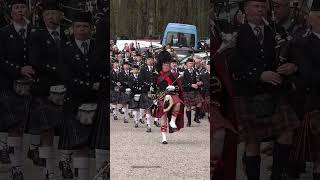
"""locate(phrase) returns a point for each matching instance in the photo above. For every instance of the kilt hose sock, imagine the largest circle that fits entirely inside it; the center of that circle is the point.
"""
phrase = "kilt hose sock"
(252, 167)
(16, 152)
(149, 119)
(163, 130)
(48, 153)
(101, 157)
(189, 117)
(81, 166)
(35, 141)
(280, 160)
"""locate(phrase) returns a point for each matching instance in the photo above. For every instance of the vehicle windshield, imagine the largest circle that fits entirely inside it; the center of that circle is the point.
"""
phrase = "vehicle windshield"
(180, 39)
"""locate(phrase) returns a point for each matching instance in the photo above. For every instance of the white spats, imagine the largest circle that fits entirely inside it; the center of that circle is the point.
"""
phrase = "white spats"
(164, 136)
(149, 119)
(82, 164)
(16, 156)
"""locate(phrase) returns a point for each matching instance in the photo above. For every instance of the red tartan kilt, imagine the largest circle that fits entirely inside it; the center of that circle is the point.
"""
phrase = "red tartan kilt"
(255, 129)
(192, 98)
(159, 112)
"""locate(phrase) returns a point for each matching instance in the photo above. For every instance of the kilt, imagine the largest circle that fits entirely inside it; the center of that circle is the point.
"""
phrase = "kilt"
(43, 115)
(115, 97)
(14, 110)
(124, 98)
(159, 111)
(192, 98)
(75, 135)
(145, 102)
(256, 129)
(206, 104)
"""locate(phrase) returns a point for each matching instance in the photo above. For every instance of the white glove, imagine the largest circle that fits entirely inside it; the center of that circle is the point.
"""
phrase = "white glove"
(170, 88)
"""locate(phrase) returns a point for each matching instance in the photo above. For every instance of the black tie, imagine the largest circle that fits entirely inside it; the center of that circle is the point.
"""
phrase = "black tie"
(56, 37)
(22, 33)
(84, 45)
(259, 34)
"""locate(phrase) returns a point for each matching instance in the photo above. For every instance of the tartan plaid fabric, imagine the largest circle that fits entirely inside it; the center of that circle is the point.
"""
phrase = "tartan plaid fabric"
(192, 98)
(256, 129)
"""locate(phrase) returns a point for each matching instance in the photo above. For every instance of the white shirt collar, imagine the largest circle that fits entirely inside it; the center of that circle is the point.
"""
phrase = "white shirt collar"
(253, 26)
(79, 43)
(51, 30)
(17, 27)
(317, 34)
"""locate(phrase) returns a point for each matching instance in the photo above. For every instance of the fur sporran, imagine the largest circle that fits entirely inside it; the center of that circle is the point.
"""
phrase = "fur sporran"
(86, 113)
(57, 94)
(22, 86)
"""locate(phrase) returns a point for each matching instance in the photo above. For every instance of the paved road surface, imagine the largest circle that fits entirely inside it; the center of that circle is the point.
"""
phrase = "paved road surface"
(137, 155)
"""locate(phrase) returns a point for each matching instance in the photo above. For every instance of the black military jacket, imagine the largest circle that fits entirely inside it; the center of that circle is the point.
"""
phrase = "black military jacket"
(114, 77)
(13, 55)
(188, 80)
(135, 84)
(251, 59)
(80, 72)
(147, 78)
(45, 57)
(124, 80)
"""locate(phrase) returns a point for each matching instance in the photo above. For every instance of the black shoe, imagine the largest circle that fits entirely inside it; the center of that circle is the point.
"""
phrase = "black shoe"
(130, 115)
(33, 154)
(188, 125)
(196, 120)
(136, 125)
(141, 121)
(16, 174)
(121, 112)
(164, 142)
(66, 170)
(115, 118)
(4, 156)
(148, 129)
(156, 123)
(125, 121)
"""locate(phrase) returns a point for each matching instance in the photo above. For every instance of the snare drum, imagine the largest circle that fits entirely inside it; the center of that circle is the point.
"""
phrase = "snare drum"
(86, 113)
(137, 97)
(22, 86)
(57, 94)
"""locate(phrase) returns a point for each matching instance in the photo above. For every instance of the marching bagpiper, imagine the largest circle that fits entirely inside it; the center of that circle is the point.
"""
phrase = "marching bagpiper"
(191, 91)
(115, 88)
(135, 96)
(16, 77)
(124, 98)
(48, 90)
(262, 108)
(306, 52)
(147, 78)
(85, 110)
(170, 99)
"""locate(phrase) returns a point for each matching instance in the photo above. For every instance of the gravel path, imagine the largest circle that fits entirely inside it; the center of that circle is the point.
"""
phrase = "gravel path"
(137, 155)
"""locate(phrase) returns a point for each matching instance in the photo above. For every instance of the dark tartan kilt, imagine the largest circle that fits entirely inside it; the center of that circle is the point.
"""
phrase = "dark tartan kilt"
(257, 129)
(14, 110)
(124, 98)
(192, 98)
(206, 104)
(75, 135)
(159, 111)
(43, 115)
(115, 97)
(145, 102)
